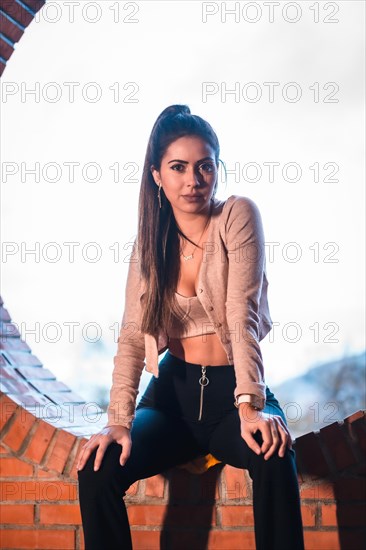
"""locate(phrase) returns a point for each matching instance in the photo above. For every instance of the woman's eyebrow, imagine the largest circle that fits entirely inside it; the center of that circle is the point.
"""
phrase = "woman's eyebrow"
(206, 158)
(186, 162)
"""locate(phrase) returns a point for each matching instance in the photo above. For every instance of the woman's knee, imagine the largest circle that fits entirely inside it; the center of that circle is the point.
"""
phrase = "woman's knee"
(107, 476)
(276, 467)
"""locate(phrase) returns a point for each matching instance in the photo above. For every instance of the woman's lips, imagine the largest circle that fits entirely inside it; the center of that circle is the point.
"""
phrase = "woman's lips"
(193, 198)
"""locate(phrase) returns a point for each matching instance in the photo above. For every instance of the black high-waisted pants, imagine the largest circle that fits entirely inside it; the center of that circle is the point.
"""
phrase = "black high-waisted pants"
(166, 432)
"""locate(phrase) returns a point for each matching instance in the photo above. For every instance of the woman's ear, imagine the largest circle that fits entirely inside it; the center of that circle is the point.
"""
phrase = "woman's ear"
(155, 174)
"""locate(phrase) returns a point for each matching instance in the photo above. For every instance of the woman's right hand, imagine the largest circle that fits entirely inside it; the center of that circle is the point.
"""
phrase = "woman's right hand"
(101, 440)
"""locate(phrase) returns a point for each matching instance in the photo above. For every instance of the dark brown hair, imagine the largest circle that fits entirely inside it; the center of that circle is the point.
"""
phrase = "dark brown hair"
(158, 234)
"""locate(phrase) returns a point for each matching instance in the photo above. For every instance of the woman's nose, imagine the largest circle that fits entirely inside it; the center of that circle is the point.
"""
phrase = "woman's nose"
(194, 177)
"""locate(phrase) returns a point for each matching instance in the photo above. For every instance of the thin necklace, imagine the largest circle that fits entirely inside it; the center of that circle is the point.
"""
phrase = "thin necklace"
(191, 255)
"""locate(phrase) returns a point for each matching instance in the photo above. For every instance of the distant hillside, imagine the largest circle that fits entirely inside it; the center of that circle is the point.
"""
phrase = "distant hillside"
(324, 394)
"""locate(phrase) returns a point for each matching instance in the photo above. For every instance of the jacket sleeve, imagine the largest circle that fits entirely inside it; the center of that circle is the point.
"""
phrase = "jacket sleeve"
(246, 265)
(129, 360)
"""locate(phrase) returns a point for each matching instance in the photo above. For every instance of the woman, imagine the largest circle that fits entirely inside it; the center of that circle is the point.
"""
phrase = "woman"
(197, 289)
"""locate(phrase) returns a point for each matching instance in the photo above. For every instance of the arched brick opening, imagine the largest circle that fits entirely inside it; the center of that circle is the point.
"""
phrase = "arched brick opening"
(44, 423)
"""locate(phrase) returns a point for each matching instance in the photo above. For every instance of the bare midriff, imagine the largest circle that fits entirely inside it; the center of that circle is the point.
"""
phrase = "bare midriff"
(205, 349)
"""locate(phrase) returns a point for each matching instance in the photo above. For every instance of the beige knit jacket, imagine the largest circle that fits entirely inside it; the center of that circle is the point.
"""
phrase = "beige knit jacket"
(232, 288)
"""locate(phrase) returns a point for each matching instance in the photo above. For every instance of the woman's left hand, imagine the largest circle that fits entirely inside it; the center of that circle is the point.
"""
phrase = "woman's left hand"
(272, 427)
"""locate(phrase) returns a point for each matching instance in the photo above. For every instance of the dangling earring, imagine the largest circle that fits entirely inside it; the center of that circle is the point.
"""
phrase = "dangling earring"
(159, 197)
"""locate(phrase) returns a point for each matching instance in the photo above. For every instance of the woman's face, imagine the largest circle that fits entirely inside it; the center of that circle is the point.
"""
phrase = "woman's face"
(188, 174)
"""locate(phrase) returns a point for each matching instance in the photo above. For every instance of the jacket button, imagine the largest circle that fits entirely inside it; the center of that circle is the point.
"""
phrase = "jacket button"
(200, 289)
(210, 308)
(217, 325)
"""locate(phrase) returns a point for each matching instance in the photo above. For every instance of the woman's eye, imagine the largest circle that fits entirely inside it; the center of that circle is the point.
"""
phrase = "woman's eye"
(178, 167)
(207, 167)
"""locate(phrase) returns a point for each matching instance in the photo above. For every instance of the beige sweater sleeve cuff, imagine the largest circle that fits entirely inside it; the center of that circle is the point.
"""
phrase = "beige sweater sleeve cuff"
(255, 401)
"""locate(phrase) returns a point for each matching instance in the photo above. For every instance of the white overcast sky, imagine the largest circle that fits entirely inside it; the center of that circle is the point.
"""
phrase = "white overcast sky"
(140, 57)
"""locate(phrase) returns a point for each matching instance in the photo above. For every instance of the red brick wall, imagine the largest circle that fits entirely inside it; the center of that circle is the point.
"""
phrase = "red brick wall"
(12, 11)
(42, 427)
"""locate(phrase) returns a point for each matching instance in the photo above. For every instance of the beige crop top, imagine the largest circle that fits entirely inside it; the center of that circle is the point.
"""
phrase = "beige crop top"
(198, 322)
